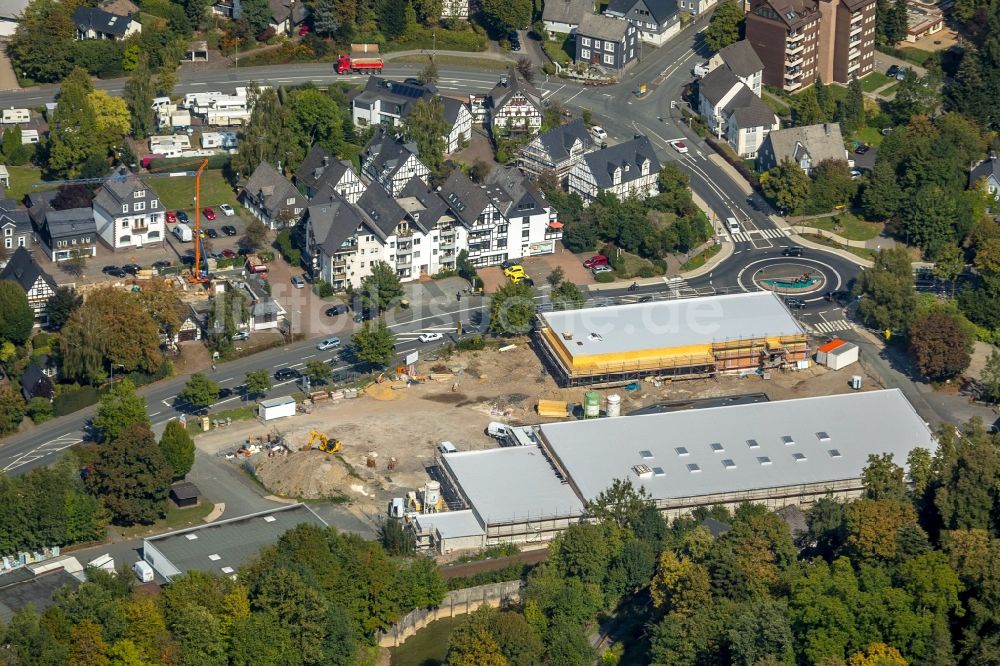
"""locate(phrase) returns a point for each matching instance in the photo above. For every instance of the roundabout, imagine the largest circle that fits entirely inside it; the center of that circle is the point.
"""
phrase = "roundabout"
(799, 277)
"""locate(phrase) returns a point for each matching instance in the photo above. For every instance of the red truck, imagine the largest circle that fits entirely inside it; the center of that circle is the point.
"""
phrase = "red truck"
(364, 58)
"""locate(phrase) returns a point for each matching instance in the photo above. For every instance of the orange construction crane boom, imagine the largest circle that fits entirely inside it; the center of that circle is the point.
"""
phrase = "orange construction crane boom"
(196, 276)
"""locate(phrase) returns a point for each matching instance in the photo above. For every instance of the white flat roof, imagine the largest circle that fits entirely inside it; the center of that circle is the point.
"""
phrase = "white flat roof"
(513, 483)
(451, 524)
(673, 323)
(737, 448)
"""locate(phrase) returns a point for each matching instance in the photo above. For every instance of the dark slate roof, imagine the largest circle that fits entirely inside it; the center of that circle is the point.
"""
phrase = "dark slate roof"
(567, 11)
(452, 107)
(465, 199)
(434, 206)
(22, 587)
(714, 85)
(11, 213)
(513, 193)
(661, 10)
(793, 13)
(559, 140)
(985, 169)
(185, 490)
(319, 168)
(280, 10)
(795, 518)
(31, 377)
(511, 83)
(385, 153)
(741, 58)
(332, 222)
(750, 110)
(24, 270)
(71, 222)
(602, 27)
(119, 188)
(715, 527)
(603, 162)
(380, 210)
(86, 18)
(275, 188)
(396, 92)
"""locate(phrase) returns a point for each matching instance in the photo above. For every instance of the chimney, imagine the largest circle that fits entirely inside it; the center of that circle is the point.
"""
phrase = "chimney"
(503, 80)
(326, 160)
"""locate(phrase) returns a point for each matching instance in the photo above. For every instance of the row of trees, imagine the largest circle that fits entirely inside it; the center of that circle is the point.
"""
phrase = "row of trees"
(789, 188)
(317, 597)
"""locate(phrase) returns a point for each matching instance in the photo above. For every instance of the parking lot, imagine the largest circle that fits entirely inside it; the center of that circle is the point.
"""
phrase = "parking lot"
(539, 268)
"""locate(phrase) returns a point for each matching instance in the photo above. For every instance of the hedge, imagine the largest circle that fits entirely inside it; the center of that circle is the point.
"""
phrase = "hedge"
(167, 163)
(727, 154)
(74, 400)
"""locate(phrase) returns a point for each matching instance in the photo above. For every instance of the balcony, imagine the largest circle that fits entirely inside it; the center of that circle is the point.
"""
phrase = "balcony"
(793, 61)
(407, 245)
(857, 18)
(854, 67)
(853, 53)
(404, 261)
(856, 29)
(792, 48)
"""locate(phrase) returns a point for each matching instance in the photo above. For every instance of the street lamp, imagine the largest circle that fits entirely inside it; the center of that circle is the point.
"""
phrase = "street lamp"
(120, 365)
(434, 42)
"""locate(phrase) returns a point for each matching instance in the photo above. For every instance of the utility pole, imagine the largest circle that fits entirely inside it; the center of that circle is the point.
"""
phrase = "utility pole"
(434, 42)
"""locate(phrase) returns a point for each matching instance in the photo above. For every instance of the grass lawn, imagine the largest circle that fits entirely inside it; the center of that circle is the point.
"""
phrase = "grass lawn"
(632, 264)
(459, 61)
(559, 49)
(178, 193)
(698, 260)
(916, 56)
(174, 520)
(874, 81)
(862, 252)
(888, 91)
(850, 226)
(21, 180)
(869, 136)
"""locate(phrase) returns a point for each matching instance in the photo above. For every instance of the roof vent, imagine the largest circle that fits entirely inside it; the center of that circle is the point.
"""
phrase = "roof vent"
(595, 337)
(215, 557)
(787, 439)
(834, 453)
(269, 519)
(681, 451)
(763, 460)
(693, 468)
(717, 447)
(752, 443)
(658, 471)
(190, 537)
(227, 570)
(799, 457)
(728, 463)
(646, 454)
(822, 436)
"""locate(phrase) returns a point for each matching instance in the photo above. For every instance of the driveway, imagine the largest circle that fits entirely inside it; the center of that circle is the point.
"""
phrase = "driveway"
(8, 80)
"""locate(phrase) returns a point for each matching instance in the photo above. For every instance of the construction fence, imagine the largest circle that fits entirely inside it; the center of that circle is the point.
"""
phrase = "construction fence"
(456, 602)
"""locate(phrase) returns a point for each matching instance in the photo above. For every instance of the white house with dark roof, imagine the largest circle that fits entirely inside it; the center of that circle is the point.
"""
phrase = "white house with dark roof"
(988, 172)
(320, 170)
(629, 169)
(271, 198)
(15, 226)
(127, 212)
(94, 23)
(557, 150)
(656, 20)
(391, 162)
(37, 284)
(455, 9)
(387, 102)
(607, 42)
(562, 17)
(806, 146)
(531, 219)
(286, 15)
(514, 106)
(62, 234)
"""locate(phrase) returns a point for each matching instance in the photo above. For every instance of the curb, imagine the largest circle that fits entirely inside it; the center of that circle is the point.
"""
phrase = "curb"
(725, 253)
(215, 513)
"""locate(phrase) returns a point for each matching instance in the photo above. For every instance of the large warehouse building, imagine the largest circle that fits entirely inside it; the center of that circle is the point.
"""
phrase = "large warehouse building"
(789, 452)
(694, 337)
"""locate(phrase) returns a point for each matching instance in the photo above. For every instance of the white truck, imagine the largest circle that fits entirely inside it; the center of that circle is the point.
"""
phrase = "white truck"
(183, 233)
(143, 572)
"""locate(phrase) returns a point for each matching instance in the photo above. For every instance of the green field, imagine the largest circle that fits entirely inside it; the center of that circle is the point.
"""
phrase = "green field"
(849, 227)
(175, 519)
(869, 136)
(888, 91)
(560, 50)
(874, 81)
(178, 193)
(21, 180)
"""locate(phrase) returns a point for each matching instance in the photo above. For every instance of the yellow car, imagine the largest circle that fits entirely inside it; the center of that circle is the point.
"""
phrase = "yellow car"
(521, 277)
(516, 269)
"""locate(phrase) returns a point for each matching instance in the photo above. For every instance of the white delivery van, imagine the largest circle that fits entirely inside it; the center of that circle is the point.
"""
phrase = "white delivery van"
(447, 447)
(158, 102)
(143, 571)
(183, 232)
(498, 430)
(733, 225)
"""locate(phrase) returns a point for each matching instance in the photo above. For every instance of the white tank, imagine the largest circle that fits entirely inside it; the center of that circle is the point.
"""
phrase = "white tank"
(432, 491)
(614, 405)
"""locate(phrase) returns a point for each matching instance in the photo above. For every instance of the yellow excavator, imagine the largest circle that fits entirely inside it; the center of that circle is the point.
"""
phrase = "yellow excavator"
(326, 445)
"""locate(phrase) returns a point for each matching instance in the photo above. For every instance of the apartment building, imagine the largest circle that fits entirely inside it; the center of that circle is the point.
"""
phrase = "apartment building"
(391, 161)
(630, 169)
(800, 41)
(127, 212)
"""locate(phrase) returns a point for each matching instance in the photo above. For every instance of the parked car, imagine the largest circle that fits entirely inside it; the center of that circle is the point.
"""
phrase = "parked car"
(228, 254)
(597, 270)
(229, 230)
(430, 337)
(792, 252)
(513, 270)
(596, 260)
(171, 217)
(241, 335)
(227, 210)
(208, 213)
(162, 263)
(861, 150)
(510, 263)
(109, 269)
(115, 272)
(856, 173)
(132, 269)
(211, 233)
(892, 71)
(795, 303)
(901, 74)
(679, 146)
(335, 310)
(515, 41)
(328, 343)
(298, 282)
(644, 299)
(304, 30)
(598, 132)
(187, 259)
(182, 216)
(363, 315)
(284, 374)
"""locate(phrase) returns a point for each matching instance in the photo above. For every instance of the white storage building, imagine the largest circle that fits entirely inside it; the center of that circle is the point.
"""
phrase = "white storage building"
(276, 408)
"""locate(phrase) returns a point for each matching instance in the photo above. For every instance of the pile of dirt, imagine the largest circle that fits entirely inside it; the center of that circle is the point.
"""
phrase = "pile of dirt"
(308, 475)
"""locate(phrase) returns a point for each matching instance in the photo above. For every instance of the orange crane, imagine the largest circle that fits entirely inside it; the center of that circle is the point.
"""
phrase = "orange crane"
(196, 276)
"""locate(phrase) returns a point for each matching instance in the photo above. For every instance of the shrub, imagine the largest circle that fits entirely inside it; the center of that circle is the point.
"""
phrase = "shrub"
(444, 273)
(472, 343)
(605, 278)
(40, 410)
(266, 256)
(729, 156)
(549, 68)
(324, 289)
(647, 272)
(660, 265)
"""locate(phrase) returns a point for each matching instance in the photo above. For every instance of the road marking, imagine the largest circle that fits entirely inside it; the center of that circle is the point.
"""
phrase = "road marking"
(42, 450)
(574, 96)
(168, 403)
(154, 413)
(227, 379)
(310, 356)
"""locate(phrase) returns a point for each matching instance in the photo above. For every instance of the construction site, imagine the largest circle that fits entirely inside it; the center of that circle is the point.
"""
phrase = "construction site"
(679, 339)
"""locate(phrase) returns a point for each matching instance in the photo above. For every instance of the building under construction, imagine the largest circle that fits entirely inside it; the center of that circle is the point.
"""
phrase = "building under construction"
(684, 338)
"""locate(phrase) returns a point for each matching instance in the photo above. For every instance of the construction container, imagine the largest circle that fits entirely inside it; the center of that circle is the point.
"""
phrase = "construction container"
(614, 405)
(553, 409)
(432, 493)
(591, 405)
(856, 382)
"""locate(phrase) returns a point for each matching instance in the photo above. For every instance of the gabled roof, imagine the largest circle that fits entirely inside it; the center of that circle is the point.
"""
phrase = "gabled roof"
(661, 10)
(282, 9)
(465, 199)
(120, 7)
(750, 110)
(396, 92)
(715, 85)
(24, 270)
(101, 21)
(513, 193)
(433, 207)
(319, 168)
(792, 13)
(385, 154)
(10, 213)
(275, 188)
(12, 9)
(570, 12)
(510, 84)
(332, 222)
(120, 188)
(985, 169)
(380, 210)
(32, 376)
(452, 107)
(602, 27)
(741, 58)
(558, 141)
(631, 154)
(821, 142)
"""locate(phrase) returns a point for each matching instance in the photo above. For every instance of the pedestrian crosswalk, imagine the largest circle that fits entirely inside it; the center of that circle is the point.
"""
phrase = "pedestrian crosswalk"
(832, 326)
(754, 234)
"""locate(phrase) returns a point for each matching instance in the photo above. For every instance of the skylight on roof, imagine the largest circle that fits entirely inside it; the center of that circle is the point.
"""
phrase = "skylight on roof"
(823, 436)
(646, 454)
(717, 447)
(214, 557)
(728, 463)
(227, 570)
(752, 443)
(694, 468)
(658, 471)
(787, 439)
(681, 450)
(834, 453)
(190, 537)
(799, 457)
(763, 460)
(269, 519)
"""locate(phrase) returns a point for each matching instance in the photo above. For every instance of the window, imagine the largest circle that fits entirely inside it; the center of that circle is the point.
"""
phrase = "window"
(525, 233)
(763, 460)
(822, 436)
(125, 239)
(416, 253)
(609, 59)
(752, 443)
(597, 45)
(124, 224)
(834, 453)
(73, 242)
(154, 203)
(124, 208)
(585, 41)
(139, 194)
(289, 201)
(717, 447)
(8, 243)
(787, 440)
(681, 451)
(799, 457)
(8, 232)
(694, 468)
(728, 463)
(584, 54)
(139, 205)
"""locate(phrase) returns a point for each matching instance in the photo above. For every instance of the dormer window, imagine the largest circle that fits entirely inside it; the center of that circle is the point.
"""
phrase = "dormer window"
(124, 208)
(139, 194)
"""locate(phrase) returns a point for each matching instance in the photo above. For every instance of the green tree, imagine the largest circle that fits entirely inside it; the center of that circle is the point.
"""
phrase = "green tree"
(473, 642)
(882, 478)
(426, 127)
(257, 13)
(199, 392)
(831, 186)
(13, 410)
(429, 74)
(968, 93)
(786, 185)
(889, 298)
(759, 630)
(556, 277)
(567, 296)
(329, 18)
(73, 136)
(16, 316)
(725, 27)
(316, 118)
(258, 382)
(512, 309)
(318, 371)
(852, 111)
(969, 465)
(87, 646)
(39, 409)
(178, 448)
(267, 136)
(131, 476)
(883, 196)
(300, 607)
(61, 305)
(895, 29)
(508, 15)
(375, 343)
(140, 89)
(42, 46)
(261, 640)
(989, 379)
(118, 409)
(256, 233)
(620, 504)
(915, 96)
(939, 346)
(948, 264)
(381, 290)
(930, 218)
(395, 538)
(807, 108)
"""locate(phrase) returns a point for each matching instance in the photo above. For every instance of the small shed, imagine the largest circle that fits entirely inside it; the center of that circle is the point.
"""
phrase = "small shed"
(196, 52)
(185, 494)
(276, 408)
(449, 531)
(837, 354)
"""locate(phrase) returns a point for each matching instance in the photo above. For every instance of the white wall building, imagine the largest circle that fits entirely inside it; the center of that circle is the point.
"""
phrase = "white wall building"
(127, 213)
(630, 169)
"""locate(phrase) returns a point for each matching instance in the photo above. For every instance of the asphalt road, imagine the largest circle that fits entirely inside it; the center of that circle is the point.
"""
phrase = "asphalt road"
(757, 248)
